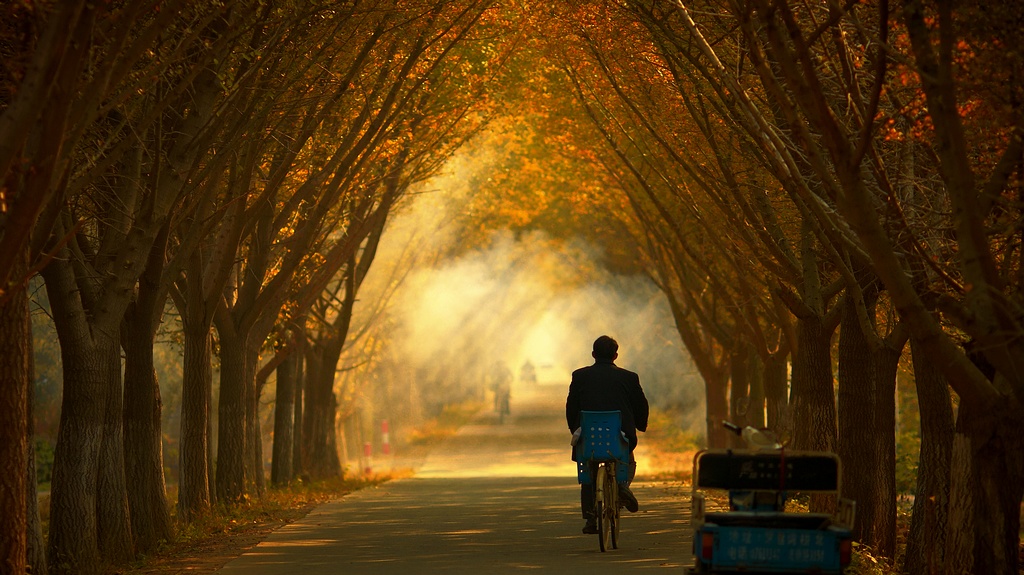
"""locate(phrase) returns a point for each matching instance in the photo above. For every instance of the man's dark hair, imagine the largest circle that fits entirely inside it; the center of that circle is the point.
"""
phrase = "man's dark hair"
(605, 347)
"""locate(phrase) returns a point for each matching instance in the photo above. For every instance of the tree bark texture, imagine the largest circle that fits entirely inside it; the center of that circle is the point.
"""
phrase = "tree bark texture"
(284, 419)
(776, 378)
(143, 446)
(36, 543)
(232, 410)
(321, 409)
(15, 372)
(114, 534)
(254, 437)
(883, 529)
(717, 409)
(959, 553)
(998, 467)
(986, 484)
(739, 391)
(926, 542)
(813, 394)
(73, 545)
(856, 408)
(298, 422)
(197, 378)
(756, 409)
(211, 461)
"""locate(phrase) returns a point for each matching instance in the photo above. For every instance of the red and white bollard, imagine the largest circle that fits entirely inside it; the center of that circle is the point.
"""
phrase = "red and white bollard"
(368, 454)
(385, 438)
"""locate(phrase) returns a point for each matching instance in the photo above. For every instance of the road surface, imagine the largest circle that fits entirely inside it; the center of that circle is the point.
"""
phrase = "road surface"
(495, 498)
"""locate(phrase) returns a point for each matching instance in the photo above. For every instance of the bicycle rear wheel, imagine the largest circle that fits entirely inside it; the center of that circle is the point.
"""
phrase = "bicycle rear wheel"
(605, 518)
(612, 505)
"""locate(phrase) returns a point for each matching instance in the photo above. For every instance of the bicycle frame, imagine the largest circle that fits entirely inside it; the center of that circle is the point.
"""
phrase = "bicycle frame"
(603, 460)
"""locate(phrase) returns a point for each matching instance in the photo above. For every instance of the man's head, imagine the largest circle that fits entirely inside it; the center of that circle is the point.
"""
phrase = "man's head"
(605, 348)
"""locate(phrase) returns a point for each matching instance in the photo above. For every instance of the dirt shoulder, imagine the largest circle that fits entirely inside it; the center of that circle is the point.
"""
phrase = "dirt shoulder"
(207, 546)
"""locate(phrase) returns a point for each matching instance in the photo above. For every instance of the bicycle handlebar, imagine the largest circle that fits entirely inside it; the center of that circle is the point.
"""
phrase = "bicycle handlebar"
(733, 427)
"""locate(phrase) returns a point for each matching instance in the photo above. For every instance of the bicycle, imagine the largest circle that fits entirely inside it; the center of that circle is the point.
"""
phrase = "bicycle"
(603, 459)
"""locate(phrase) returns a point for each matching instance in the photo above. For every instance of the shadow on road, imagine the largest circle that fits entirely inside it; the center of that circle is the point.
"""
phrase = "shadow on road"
(498, 497)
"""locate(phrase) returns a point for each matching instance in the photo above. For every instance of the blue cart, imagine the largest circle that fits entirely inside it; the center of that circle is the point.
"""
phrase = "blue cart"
(756, 534)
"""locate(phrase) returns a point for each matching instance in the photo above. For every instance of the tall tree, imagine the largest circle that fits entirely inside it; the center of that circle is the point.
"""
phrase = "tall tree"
(61, 62)
(15, 368)
(90, 285)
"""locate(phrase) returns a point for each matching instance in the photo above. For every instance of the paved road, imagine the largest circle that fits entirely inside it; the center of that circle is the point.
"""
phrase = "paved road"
(495, 498)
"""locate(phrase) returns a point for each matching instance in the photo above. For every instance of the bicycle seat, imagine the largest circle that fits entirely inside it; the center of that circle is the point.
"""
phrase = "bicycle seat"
(601, 439)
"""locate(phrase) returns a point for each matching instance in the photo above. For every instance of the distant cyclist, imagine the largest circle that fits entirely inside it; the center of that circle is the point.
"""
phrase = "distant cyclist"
(604, 386)
(501, 383)
(528, 373)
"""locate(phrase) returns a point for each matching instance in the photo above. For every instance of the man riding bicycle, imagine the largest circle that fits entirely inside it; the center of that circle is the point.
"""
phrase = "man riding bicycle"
(604, 386)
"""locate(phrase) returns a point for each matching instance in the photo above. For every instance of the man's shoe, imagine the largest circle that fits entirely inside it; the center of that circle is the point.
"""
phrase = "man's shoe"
(628, 500)
(590, 528)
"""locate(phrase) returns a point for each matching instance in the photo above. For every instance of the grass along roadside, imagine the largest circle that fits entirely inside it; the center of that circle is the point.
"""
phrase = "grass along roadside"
(668, 446)
(451, 418)
(226, 532)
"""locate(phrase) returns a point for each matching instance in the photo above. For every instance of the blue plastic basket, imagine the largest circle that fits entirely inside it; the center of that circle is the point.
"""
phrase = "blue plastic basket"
(602, 440)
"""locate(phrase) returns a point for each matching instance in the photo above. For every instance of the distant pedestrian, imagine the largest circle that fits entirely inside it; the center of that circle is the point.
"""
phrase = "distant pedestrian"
(501, 383)
(528, 373)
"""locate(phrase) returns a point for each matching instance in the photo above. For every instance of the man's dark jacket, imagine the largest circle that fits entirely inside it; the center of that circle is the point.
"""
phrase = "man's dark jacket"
(606, 387)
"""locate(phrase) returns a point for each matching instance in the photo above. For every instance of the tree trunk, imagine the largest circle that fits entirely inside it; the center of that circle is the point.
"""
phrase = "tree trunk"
(321, 412)
(857, 410)
(960, 527)
(986, 485)
(775, 380)
(716, 390)
(254, 436)
(998, 467)
(298, 423)
(739, 391)
(211, 468)
(15, 371)
(36, 543)
(73, 546)
(883, 529)
(193, 471)
(755, 411)
(143, 454)
(284, 414)
(812, 396)
(926, 542)
(232, 468)
(143, 437)
(113, 523)
(312, 371)
(88, 504)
